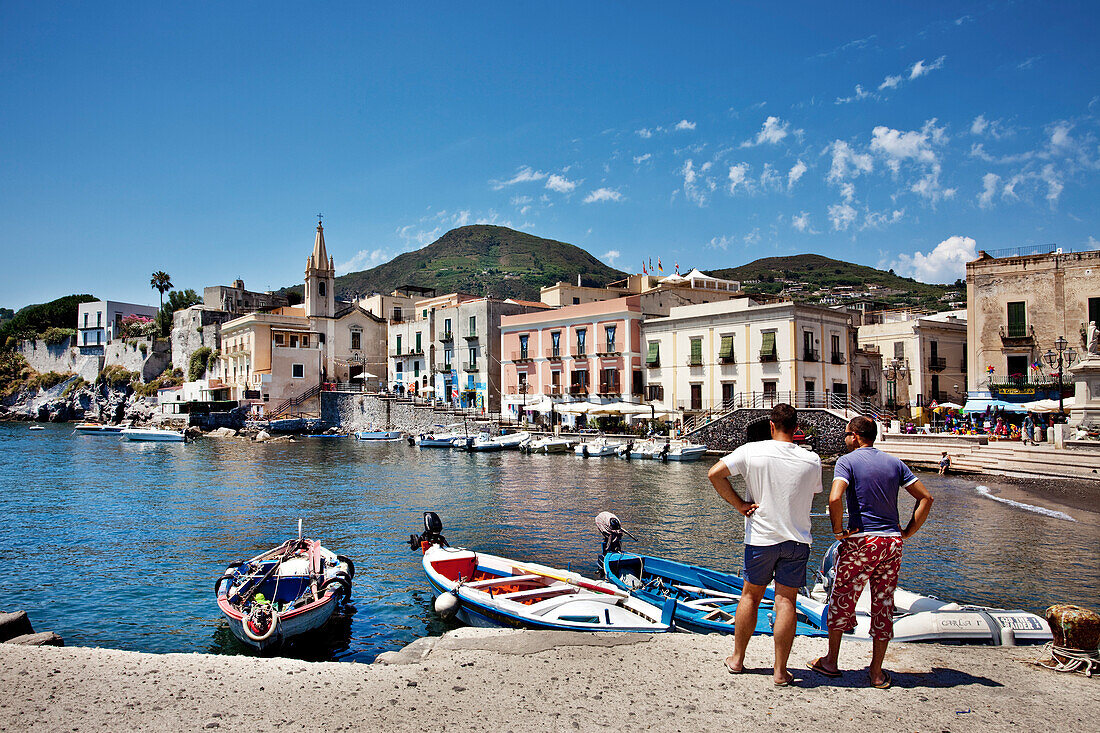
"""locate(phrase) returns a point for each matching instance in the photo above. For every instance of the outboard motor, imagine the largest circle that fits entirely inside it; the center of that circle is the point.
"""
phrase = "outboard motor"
(663, 455)
(612, 530)
(432, 534)
(629, 447)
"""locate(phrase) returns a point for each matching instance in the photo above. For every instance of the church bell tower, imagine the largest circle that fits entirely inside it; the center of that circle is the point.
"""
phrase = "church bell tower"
(320, 300)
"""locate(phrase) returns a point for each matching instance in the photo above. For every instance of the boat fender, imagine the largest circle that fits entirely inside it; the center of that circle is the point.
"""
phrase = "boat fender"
(260, 623)
(337, 584)
(218, 583)
(446, 605)
(347, 561)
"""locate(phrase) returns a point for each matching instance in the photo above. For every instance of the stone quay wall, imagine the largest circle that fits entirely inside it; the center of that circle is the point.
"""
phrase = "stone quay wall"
(732, 430)
(351, 411)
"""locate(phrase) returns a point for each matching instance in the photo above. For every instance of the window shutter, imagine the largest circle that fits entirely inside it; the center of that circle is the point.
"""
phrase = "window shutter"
(726, 349)
(768, 347)
(654, 356)
(697, 351)
(1017, 320)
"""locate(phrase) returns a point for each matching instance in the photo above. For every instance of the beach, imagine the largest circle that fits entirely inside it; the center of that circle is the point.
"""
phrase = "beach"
(502, 680)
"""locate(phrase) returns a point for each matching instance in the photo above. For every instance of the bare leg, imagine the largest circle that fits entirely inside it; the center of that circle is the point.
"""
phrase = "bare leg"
(878, 653)
(832, 659)
(783, 631)
(744, 623)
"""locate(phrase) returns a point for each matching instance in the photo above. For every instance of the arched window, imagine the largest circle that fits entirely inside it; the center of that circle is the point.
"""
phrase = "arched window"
(321, 288)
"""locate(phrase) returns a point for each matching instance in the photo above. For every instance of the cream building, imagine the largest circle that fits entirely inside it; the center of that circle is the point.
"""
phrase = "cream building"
(1017, 306)
(656, 294)
(701, 357)
(930, 348)
(289, 353)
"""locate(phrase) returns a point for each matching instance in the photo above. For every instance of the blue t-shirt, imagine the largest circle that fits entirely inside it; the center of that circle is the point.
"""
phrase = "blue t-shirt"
(874, 479)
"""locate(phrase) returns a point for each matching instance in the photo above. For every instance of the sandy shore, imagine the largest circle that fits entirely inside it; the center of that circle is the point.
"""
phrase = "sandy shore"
(499, 680)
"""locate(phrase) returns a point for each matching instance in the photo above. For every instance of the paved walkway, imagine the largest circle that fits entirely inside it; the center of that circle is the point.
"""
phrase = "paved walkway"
(478, 680)
(998, 457)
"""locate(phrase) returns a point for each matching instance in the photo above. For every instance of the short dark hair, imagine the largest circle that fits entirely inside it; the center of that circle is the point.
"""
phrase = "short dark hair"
(784, 417)
(865, 428)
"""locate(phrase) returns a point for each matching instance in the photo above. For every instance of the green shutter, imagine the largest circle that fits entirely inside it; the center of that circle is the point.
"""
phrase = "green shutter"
(1017, 320)
(725, 351)
(654, 356)
(697, 351)
(768, 347)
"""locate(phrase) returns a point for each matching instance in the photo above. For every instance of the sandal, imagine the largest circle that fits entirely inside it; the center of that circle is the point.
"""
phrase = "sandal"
(816, 666)
(785, 683)
(730, 669)
(885, 684)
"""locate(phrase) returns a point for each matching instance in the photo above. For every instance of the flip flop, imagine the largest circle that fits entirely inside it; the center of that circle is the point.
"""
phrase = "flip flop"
(785, 683)
(730, 669)
(885, 684)
(817, 667)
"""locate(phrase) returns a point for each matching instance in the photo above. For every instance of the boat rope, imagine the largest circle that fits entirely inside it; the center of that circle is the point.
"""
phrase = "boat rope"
(1074, 659)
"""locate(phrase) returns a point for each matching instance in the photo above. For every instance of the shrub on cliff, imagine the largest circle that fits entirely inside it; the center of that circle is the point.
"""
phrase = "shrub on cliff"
(173, 378)
(58, 335)
(36, 319)
(197, 367)
(117, 377)
(14, 372)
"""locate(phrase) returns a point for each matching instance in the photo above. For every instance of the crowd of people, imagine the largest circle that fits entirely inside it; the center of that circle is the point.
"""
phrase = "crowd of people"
(994, 422)
(781, 480)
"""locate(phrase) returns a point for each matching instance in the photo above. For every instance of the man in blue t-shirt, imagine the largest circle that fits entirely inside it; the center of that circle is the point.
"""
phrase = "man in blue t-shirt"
(870, 549)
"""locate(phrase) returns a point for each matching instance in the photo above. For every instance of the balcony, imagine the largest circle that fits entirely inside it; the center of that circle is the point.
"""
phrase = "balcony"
(838, 358)
(469, 366)
(553, 354)
(1017, 336)
(609, 389)
(937, 363)
(522, 355)
(441, 368)
(472, 336)
(580, 353)
(695, 361)
(578, 390)
(609, 348)
(728, 359)
(446, 336)
(768, 356)
(811, 355)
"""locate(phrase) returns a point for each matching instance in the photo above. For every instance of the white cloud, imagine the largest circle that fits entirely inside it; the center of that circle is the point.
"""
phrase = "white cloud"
(752, 237)
(989, 188)
(890, 82)
(639, 159)
(738, 176)
(842, 216)
(898, 147)
(719, 242)
(921, 69)
(879, 219)
(685, 125)
(772, 132)
(644, 133)
(979, 125)
(770, 179)
(1028, 62)
(561, 184)
(603, 194)
(848, 192)
(860, 93)
(610, 256)
(365, 259)
(525, 174)
(416, 237)
(801, 222)
(795, 173)
(1059, 135)
(1054, 183)
(944, 264)
(697, 187)
(847, 162)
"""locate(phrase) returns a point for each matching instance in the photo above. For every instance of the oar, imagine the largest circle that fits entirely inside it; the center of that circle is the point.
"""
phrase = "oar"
(577, 581)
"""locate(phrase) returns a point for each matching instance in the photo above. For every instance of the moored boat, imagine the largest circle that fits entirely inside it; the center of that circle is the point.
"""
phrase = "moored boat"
(37, 427)
(98, 428)
(379, 434)
(667, 450)
(442, 438)
(488, 590)
(598, 448)
(153, 434)
(283, 593)
(547, 444)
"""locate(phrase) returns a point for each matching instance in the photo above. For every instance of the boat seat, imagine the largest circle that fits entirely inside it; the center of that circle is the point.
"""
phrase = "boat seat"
(703, 604)
(720, 616)
(507, 579)
(521, 595)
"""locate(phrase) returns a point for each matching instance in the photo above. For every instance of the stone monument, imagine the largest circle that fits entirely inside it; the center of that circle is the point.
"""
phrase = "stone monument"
(1086, 376)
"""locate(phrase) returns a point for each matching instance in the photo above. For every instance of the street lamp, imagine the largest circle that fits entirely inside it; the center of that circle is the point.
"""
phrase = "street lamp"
(1064, 357)
(894, 371)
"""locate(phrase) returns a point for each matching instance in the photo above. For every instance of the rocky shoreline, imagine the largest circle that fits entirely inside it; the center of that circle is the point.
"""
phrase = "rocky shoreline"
(495, 679)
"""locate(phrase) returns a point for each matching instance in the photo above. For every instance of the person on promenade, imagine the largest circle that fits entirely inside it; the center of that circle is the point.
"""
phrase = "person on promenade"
(945, 463)
(781, 480)
(870, 549)
(1028, 431)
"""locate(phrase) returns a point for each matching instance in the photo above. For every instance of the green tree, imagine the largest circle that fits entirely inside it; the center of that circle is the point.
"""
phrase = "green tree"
(35, 319)
(196, 368)
(177, 300)
(162, 282)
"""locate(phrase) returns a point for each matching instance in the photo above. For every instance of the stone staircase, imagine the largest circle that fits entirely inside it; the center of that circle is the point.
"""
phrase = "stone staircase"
(1009, 459)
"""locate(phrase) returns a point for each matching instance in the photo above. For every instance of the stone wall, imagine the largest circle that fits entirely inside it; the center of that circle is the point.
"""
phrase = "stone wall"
(193, 328)
(43, 357)
(734, 429)
(368, 412)
(148, 362)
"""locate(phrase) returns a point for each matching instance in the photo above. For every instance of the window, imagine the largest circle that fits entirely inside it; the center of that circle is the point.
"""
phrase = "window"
(935, 386)
(424, 313)
(697, 397)
(400, 368)
(419, 349)
(808, 353)
(85, 320)
(356, 340)
(609, 333)
(1017, 368)
(899, 349)
(636, 382)
(725, 350)
(298, 371)
(320, 290)
(654, 392)
(834, 342)
(767, 347)
(934, 348)
(416, 368)
(576, 301)
(1017, 320)
(446, 328)
(473, 357)
(399, 344)
(293, 341)
(99, 319)
(555, 343)
(653, 357)
(523, 340)
(447, 356)
(696, 358)
(609, 381)
(473, 325)
(305, 341)
(320, 338)
(280, 340)
(770, 390)
(1094, 311)
(580, 342)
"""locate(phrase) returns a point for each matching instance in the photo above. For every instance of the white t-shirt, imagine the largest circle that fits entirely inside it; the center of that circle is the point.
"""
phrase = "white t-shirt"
(782, 478)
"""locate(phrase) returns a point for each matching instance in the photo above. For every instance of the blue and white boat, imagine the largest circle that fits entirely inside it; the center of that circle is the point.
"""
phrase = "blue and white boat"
(442, 438)
(488, 590)
(379, 435)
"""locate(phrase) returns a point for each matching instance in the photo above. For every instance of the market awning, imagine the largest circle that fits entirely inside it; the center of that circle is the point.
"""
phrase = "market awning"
(981, 405)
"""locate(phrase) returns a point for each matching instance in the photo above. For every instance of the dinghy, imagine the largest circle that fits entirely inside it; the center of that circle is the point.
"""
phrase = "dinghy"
(488, 590)
(153, 434)
(283, 593)
(926, 618)
(97, 428)
(705, 600)
(598, 448)
(547, 444)
(442, 438)
(379, 435)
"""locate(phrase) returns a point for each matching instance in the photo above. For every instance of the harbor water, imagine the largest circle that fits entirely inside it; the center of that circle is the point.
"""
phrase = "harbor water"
(118, 544)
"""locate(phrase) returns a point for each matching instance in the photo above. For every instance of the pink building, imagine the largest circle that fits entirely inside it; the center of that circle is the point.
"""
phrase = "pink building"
(589, 351)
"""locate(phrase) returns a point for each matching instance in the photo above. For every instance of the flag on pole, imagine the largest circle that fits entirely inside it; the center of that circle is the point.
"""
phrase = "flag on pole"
(651, 264)
(677, 268)
(660, 267)
(644, 271)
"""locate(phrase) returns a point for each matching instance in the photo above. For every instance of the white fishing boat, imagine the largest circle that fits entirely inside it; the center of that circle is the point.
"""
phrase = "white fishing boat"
(442, 438)
(153, 434)
(513, 440)
(660, 449)
(548, 444)
(283, 593)
(98, 428)
(37, 427)
(644, 449)
(481, 443)
(598, 448)
(926, 618)
(488, 590)
(379, 435)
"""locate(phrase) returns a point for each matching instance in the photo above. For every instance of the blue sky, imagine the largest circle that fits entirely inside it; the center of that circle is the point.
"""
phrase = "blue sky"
(202, 139)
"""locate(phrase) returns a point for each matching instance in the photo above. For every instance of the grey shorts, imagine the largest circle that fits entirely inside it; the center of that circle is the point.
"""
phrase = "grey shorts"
(785, 563)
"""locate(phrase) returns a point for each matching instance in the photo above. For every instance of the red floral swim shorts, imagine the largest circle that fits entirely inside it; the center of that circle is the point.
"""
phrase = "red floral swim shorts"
(863, 559)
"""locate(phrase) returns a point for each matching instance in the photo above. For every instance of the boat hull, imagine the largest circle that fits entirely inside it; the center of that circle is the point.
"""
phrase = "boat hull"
(379, 435)
(153, 434)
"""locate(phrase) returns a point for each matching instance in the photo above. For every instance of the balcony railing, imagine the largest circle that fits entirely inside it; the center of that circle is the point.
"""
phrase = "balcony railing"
(727, 359)
(609, 388)
(1018, 335)
(607, 348)
(578, 389)
(553, 353)
(471, 336)
(937, 363)
(579, 352)
(522, 355)
(655, 364)
(469, 366)
(838, 358)
(447, 336)
(555, 390)
(811, 355)
(442, 368)
(768, 356)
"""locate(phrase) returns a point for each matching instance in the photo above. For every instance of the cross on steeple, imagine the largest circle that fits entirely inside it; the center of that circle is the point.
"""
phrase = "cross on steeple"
(319, 217)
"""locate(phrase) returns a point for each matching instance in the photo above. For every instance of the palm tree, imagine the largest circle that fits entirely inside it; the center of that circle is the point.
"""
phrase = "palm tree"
(162, 282)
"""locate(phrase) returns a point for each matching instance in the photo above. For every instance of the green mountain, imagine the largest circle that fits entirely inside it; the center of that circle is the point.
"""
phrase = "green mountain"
(773, 274)
(482, 260)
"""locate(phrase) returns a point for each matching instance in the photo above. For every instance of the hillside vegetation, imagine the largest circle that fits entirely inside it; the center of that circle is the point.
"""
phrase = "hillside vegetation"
(40, 319)
(482, 260)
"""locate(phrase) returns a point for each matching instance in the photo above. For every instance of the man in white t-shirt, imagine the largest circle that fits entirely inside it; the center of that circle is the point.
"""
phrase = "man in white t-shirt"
(781, 479)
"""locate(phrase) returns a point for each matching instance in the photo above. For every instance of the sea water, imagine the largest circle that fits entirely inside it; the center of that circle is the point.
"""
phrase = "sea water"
(118, 544)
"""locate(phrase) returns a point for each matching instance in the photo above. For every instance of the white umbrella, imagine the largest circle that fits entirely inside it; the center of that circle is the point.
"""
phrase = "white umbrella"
(578, 408)
(1046, 405)
(544, 404)
(364, 375)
